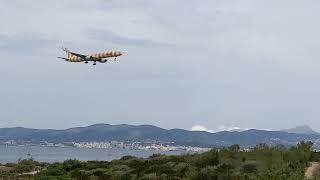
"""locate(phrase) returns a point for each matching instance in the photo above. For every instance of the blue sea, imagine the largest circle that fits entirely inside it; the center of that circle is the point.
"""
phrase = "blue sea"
(58, 154)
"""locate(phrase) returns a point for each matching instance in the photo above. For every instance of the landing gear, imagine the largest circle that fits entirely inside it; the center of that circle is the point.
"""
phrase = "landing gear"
(115, 59)
(86, 62)
(94, 63)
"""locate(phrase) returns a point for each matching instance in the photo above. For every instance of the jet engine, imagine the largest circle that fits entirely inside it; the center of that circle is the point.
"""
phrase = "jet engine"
(103, 61)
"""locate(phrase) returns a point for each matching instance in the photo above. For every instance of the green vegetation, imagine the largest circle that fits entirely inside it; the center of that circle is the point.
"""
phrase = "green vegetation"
(262, 162)
(21, 169)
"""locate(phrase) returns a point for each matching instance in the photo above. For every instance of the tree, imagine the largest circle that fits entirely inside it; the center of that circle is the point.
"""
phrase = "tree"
(234, 148)
(305, 146)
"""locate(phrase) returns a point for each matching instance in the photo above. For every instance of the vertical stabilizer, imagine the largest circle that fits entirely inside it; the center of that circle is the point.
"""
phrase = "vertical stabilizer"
(67, 52)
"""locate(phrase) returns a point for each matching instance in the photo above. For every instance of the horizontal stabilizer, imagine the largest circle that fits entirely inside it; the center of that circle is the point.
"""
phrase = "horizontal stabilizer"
(63, 58)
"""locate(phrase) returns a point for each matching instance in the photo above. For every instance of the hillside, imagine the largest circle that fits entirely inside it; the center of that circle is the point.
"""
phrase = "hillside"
(143, 133)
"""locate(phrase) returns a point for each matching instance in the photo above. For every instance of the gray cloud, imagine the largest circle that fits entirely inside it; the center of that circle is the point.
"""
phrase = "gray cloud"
(108, 36)
(26, 42)
(245, 63)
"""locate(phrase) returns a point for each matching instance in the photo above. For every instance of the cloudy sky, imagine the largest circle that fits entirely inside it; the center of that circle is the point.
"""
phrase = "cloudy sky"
(210, 64)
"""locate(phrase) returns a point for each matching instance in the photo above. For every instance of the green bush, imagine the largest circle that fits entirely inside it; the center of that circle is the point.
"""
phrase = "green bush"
(262, 162)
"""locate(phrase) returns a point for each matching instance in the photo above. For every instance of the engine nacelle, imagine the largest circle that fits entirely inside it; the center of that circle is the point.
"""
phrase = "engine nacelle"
(88, 57)
(103, 61)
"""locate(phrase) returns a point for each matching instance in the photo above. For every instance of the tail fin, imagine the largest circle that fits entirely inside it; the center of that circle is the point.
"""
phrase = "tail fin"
(67, 52)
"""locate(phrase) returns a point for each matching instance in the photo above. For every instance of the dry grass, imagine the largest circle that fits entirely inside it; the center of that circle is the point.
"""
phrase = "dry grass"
(5, 169)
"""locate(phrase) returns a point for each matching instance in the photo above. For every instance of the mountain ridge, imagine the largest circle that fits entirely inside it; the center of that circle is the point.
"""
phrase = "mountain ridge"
(144, 133)
(302, 129)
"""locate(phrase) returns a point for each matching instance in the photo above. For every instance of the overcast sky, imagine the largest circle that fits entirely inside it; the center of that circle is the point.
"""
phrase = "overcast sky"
(214, 64)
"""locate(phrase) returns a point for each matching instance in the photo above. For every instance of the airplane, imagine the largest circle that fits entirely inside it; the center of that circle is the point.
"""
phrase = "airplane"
(97, 57)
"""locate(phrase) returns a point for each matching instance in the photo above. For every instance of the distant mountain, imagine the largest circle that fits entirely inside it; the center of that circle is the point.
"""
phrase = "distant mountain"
(237, 130)
(304, 129)
(147, 133)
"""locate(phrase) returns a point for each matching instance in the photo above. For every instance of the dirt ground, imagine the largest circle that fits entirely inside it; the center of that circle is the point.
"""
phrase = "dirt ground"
(312, 170)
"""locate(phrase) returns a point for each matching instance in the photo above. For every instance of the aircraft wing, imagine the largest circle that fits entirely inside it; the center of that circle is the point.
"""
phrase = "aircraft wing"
(78, 55)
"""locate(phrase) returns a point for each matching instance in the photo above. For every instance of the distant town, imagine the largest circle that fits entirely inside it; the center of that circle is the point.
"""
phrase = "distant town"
(148, 137)
(153, 145)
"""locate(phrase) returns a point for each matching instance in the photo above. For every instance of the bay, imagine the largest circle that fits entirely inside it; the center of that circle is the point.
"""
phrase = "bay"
(11, 154)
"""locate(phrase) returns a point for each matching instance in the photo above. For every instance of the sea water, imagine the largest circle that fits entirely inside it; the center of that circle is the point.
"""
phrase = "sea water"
(58, 154)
